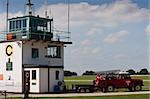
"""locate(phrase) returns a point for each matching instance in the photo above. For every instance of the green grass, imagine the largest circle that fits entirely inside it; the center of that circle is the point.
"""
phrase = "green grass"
(146, 83)
(145, 96)
(90, 77)
(70, 83)
(142, 77)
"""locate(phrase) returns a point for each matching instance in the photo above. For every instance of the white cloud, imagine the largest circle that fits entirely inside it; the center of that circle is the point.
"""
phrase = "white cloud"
(86, 51)
(94, 31)
(96, 50)
(147, 30)
(84, 14)
(119, 56)
(86, 42)
(3, 19)
(81, 51)
(115, 37)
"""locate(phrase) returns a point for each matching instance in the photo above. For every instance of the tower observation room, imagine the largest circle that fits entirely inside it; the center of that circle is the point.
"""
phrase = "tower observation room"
(30, 27)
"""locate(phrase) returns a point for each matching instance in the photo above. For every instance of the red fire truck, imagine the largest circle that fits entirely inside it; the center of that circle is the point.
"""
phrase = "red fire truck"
(110, 82)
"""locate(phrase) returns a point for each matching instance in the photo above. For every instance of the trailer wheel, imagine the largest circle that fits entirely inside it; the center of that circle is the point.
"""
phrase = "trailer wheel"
(87, 90)
(138, 88)
(110, 88)
(82, 90)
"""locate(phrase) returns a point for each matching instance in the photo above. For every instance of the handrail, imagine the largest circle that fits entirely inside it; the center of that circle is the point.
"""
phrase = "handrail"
(56, 35)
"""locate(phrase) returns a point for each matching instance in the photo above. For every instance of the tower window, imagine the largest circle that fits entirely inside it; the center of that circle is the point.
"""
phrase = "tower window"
(17, 24)
(13, 25)
(33, 74)
(10, 25)
(35, 52)
(54, 51)
(57, 75)
(24, 23)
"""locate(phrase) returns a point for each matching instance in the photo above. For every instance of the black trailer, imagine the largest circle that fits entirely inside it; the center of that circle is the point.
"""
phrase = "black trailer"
(85, 88)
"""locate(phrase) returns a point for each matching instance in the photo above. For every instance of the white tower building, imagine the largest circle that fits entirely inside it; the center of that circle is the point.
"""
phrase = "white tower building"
(32, 49)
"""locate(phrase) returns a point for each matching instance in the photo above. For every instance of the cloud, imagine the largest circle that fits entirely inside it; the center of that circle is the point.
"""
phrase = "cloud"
(86, 42)
(81, 51)
(119, 56)
(94, 31)
(3, 21)
(105, 15)
(96, 50)
(84, 14)
(115, 37)
(86, 51)
(147, 30)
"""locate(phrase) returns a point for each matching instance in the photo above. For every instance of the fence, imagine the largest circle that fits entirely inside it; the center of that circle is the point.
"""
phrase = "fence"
(56, 35)
(3, 94)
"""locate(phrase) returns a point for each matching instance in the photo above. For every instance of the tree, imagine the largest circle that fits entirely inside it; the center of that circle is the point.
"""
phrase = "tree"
(143, 71)
(89, 73)
(131, 71)
(74, 74)
(69, 73)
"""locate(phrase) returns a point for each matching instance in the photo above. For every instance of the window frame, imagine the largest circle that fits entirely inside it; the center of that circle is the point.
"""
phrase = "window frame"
(57, 73)
(33, 51)
(34, 74)
(53, 51)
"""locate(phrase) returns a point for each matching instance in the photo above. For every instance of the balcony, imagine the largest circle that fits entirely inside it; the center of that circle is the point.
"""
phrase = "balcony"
(26, 34)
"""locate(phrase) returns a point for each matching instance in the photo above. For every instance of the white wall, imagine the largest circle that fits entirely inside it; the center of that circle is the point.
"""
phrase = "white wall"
(15, 83)
(52, 79)
(43, 79)
(42, 60)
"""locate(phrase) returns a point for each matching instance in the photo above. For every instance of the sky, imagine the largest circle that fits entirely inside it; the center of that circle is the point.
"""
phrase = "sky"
(106, 34)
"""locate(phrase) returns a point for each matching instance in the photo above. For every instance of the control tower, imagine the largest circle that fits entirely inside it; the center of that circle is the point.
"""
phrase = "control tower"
(31, 50)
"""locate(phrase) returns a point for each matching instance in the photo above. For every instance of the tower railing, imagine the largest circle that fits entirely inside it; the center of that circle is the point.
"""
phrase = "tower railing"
(56, 35)
(61, 36)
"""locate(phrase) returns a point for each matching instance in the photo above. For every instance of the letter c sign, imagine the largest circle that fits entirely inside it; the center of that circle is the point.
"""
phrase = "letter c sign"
(9, 50)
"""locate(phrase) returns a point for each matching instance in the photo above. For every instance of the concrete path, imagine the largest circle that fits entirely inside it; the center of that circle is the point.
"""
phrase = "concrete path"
(80, 94)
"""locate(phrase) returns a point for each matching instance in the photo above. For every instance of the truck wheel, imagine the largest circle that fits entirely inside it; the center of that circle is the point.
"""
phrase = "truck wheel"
(131, 89)
(138, 88)
(110, 88)
(103, 90)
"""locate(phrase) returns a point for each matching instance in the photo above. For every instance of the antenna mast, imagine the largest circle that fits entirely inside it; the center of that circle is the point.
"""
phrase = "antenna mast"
(29, 8)
(7, 3)
(46, 4)
(68, 15)
(68, 19)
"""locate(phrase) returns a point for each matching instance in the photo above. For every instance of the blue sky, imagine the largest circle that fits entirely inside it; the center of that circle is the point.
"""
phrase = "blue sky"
(106, 34)
(20, 3)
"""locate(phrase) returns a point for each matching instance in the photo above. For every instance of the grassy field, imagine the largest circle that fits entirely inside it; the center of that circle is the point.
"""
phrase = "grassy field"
(142, 77)
(88, 80)
(90, 77)
(145, 96)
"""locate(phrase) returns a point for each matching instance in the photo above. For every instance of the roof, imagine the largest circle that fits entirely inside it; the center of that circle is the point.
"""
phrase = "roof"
(32, 17)
(40, 66)
(58, 42)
